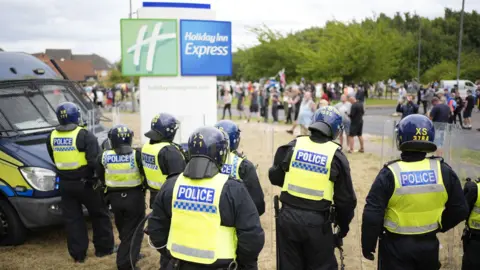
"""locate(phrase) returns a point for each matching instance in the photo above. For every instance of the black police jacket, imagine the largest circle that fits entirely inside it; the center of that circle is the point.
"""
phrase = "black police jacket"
(236, 210)
(248, 173)
(86, 142)
(382, 189)
(344, 196)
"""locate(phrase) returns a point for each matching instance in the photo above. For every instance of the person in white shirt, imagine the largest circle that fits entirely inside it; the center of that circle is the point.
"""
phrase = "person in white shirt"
(99, 94)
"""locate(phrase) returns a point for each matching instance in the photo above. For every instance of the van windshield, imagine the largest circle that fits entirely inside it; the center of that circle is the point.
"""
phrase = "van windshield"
(26, 110)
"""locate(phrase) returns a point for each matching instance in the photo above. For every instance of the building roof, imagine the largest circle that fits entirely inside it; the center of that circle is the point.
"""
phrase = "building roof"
(76, 70)
(58, 54)
(98, 62)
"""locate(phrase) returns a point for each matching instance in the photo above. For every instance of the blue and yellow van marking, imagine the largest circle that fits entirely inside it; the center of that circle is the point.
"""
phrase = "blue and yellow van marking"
(9, 169)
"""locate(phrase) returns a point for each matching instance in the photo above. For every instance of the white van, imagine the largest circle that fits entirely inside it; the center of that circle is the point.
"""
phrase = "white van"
(463, 86)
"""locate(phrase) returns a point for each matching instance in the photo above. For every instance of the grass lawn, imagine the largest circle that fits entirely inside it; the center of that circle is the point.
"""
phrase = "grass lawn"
(468, 156)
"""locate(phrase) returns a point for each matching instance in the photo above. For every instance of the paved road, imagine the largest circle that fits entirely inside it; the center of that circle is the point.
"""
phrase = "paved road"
(378, 121)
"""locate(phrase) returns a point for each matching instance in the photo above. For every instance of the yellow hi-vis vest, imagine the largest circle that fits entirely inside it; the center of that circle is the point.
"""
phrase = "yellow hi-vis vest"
(65, 153)
(121, 171)
(309, 173)
(153, 173)
(196, 234)
(474, 219)
(232, 165)
(418, 201)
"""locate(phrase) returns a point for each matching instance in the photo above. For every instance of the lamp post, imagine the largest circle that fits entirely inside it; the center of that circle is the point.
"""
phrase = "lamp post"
(132, 83)
(460, 36)
(419, 48)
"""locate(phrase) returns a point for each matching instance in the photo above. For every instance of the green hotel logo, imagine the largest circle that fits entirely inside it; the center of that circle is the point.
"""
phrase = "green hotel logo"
(149, 47)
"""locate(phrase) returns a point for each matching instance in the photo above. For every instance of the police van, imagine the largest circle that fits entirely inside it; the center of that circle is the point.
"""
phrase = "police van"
(30, 90)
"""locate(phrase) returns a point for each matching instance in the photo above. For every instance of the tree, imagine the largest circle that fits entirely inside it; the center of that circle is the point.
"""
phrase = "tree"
(374, 49)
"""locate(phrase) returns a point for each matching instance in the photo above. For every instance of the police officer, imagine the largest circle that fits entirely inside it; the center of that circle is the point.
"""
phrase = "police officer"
(314, 174)
(120, 169)
(471, 236)
(411, 200)
(203, 219)
(239, 167)
(160, 156)
(74, 151)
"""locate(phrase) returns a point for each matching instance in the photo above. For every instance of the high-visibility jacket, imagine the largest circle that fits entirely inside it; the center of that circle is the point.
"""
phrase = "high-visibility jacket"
(474, 219)
(65, 153)
(121, 171)
(418, 201)
(232, 165)
(153, 173)
(197, 202)
(309, 173)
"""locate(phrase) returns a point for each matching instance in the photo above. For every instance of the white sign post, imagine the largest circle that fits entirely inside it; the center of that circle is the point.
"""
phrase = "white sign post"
(192, 100)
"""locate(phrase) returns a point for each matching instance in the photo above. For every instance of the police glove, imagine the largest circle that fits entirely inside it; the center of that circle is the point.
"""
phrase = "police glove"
(337, 240)
(368, 255)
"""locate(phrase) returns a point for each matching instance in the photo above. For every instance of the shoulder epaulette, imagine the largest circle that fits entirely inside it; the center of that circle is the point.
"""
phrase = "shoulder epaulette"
(391, 162)
(437, 158)
(241, 155)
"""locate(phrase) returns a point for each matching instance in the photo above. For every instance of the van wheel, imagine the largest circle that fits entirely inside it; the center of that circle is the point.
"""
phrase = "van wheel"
(12, 231)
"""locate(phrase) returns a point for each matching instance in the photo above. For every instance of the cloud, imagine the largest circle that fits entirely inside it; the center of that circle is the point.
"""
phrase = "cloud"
(92, 26)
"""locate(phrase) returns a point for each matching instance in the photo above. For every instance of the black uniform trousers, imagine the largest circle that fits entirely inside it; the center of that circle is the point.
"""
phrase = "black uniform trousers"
(128, 207)
(408, 252)
(74, 194)
(153, 195)
(471, 251)
(306, 240)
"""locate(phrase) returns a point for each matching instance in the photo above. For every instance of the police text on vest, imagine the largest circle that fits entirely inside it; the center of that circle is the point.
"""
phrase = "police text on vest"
(148, 161)
(226, 169)
(196, 194)
(418, 178)
(117, 159)
(312, 158)
(62, 142)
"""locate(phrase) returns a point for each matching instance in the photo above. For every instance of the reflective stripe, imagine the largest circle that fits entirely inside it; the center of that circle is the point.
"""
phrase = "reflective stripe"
(411, 229)
(418, 189)
(128, 183)
(476, 209)
(122, 171)
(193, 252)
(67, 165)
(306, 191)
(475, 224)
(154, 184)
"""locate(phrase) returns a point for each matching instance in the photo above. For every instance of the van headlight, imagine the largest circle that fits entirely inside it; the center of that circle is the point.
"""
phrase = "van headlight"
(39, 178)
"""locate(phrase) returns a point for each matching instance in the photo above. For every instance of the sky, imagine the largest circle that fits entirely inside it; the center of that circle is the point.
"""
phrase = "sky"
(93, 26)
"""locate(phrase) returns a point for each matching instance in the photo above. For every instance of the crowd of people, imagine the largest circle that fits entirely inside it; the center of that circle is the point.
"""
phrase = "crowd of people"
(298, 103)
(108, 98)
(459, 108)
(207, 200)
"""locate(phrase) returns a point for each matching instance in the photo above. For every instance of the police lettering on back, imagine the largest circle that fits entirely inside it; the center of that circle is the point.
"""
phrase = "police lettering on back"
(226, 169)
(62, 142)
(148, 161)
(311, 158)
(418, 178)
(117, 158)
(196, 194)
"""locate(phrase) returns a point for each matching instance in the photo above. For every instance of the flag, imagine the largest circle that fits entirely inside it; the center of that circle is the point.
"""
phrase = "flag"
(283, 80)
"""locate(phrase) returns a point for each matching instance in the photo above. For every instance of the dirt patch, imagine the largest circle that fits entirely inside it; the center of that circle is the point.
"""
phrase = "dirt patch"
(48, 249)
